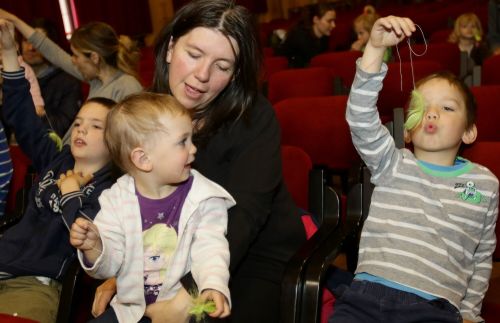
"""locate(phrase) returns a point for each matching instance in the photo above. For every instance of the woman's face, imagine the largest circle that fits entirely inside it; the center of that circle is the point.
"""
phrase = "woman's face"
(323, 26)
(202, 64)
(84, 64)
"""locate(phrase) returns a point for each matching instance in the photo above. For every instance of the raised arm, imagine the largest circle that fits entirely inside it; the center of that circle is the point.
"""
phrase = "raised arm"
(372, 141)
(25, 29)
(9, 50)
(50, 50)
(386, 32)
(18, 106)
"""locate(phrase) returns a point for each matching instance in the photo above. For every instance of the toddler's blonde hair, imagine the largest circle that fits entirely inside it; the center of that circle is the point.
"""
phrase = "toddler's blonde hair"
(136, 122)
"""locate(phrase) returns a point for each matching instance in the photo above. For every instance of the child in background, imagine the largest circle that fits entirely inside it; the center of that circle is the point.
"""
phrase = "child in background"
(36, 253)
(362, 27)
(426, 247)
(160, 220)
(468, 35)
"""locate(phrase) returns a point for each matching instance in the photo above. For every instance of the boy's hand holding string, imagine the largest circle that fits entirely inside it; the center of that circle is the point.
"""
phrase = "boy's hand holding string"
(386, 32)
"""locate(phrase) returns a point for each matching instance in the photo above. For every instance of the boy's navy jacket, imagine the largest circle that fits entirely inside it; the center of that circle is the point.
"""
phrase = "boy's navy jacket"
(39, 244)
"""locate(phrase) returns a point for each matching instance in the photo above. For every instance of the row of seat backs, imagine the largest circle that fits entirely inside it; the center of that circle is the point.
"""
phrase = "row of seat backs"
(320, 81)
(322, 200)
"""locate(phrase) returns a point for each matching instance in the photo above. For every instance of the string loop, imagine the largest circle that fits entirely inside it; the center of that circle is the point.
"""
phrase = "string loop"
(411, 51)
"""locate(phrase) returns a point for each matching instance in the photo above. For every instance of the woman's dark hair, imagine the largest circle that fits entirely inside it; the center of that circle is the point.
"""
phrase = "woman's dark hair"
(232, 21)
(49, 27)
(308, 13)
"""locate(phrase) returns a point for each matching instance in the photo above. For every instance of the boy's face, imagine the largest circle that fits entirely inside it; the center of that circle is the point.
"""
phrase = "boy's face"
(87, 135)
(84, 64)
(443, 127)
(173, 151)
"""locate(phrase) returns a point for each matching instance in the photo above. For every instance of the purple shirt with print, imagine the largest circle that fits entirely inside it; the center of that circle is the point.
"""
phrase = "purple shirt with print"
(164, 214)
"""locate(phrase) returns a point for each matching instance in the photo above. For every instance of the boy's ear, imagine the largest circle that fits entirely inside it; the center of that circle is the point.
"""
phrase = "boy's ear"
(470, 135)
(140, 159)
(407, 136)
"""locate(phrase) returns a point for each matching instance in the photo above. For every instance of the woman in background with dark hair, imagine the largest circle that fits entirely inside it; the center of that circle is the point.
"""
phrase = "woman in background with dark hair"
(310, 36)
(208, 58)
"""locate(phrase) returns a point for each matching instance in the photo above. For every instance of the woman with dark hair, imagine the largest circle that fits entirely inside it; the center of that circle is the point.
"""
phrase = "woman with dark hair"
(208, 58)
(310, 36)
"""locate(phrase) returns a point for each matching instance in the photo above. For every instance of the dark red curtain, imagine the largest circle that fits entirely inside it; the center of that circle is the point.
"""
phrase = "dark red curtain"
(255, 6)
(128, 17)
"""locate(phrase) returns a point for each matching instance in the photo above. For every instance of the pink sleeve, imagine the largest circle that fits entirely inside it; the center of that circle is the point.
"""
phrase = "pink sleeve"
(36, 94)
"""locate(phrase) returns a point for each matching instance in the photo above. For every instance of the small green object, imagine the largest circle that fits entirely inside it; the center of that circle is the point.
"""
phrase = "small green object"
(477, 35)
(55, 138)
(415, 111)
(200, 308)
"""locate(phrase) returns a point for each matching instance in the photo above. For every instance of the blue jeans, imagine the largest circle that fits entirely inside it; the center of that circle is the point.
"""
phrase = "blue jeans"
(366, 301)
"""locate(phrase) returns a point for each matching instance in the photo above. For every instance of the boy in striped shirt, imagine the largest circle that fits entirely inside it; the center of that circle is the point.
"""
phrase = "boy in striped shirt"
(426, 247)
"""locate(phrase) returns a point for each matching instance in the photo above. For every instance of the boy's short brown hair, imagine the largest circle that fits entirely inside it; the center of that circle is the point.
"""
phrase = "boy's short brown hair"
(468, 97)
(136, 121)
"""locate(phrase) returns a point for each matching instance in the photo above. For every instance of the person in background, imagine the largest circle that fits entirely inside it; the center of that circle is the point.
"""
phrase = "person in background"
(425, 253)
(468, 35)
(363, 26)
(208, 59)
(101, 58)
(61, 92)
(36, 251)
(160, 211)
(310, 36)
(107, 62)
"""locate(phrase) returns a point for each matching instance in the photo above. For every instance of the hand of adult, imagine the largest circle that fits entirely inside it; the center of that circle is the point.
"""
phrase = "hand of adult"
(175, 310)
(103, 296)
